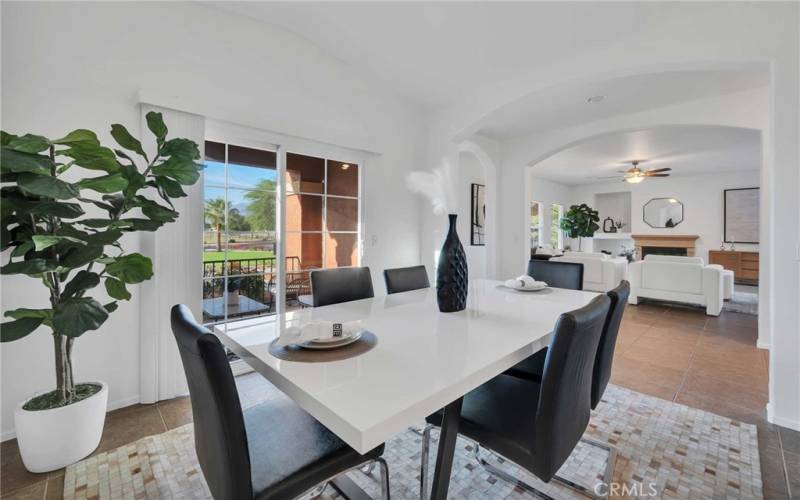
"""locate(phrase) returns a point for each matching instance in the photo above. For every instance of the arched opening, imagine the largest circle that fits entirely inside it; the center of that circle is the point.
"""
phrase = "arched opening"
(747, 108)
(709, 163)
(554, 127)
(706, 162)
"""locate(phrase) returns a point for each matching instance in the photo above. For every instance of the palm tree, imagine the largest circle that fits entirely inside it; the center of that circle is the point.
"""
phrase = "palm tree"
(261, 206)
(215, 216)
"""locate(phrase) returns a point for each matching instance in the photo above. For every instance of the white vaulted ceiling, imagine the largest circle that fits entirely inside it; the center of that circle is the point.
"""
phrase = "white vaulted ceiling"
(567, 105)
(437, 53)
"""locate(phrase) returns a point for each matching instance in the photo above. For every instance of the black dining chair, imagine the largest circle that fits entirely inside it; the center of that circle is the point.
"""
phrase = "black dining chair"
(608, 341)
(557, 274)
(405, 279)
(343, 284)
(533, 367)
(536, 425)
(273, 450)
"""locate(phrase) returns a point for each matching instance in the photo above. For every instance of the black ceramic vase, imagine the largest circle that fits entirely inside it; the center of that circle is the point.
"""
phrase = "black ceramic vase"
(451, 274)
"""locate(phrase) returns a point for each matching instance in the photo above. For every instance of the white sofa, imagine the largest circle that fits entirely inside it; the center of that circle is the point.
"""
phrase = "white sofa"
(601, 272)
(679, 279)
(548, 251)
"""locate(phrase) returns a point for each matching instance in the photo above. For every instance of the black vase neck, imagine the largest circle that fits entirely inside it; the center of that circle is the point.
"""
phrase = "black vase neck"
(452, 218)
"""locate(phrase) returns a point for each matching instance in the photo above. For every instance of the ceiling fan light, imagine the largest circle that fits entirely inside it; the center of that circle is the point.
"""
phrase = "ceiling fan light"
(634, 179)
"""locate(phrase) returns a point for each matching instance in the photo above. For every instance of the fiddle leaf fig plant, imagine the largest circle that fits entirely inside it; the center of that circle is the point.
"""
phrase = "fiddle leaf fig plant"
(66, 233)
(580, 221)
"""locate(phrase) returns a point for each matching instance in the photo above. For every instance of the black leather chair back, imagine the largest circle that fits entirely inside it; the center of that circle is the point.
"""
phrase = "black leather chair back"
(557, 274)
(608, 341)
(343, 284)
(564, 400)
(404, 279)
(219, 432)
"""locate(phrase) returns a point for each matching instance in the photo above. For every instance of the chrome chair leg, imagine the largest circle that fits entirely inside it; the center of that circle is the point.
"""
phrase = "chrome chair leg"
(317, 491)
(368, 468)
(423, 474)
(417, 430)
(505, 476)
(385, 493)
(608, 476)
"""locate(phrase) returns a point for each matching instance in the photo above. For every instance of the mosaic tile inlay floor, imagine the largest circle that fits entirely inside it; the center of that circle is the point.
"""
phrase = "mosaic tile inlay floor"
(666, 450)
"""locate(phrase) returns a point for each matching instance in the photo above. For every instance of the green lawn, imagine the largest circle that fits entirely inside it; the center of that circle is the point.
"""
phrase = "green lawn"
(236, 255)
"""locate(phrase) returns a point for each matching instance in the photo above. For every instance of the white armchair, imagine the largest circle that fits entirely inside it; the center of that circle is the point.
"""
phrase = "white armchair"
(601, 273)
(679, 279)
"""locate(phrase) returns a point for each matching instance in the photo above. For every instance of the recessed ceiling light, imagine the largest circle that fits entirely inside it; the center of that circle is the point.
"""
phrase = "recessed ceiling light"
(596, 99)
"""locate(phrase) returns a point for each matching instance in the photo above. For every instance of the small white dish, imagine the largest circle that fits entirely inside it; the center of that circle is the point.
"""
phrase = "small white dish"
(534, 288)
(331, 340)
(331, 343)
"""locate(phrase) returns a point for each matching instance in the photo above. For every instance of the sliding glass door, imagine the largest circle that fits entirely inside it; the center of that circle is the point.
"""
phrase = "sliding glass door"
(240, 237)
(322, 220)
(320, 224)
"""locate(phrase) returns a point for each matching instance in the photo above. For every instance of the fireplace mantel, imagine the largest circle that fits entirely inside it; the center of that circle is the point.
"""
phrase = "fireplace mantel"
(665, 241)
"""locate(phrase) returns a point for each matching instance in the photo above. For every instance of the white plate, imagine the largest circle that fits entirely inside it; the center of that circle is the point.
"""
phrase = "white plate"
(328, 344)
(528, 289)
(330, 340)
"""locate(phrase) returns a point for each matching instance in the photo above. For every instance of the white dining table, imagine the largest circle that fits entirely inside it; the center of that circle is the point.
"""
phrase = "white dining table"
(424, 360)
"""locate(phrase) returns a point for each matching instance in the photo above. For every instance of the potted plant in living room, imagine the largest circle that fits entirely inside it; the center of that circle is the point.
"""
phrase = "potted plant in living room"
(66, 235)
(580, 221)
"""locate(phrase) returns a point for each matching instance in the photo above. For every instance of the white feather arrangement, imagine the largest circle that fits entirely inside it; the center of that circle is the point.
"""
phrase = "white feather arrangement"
(436, 185)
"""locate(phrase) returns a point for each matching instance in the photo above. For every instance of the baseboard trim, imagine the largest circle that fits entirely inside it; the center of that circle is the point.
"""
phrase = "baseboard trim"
(113, 405)
(762, 344)
(780, 421)
(122, 403)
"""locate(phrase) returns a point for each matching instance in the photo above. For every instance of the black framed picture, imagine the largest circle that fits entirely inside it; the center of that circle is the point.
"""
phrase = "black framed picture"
(478, 215)
(741, 215)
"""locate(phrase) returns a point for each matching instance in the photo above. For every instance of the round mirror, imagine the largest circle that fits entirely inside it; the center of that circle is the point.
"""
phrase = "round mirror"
(663, 212)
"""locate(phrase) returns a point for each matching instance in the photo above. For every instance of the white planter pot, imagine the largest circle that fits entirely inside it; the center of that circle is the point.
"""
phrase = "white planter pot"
(52, 439)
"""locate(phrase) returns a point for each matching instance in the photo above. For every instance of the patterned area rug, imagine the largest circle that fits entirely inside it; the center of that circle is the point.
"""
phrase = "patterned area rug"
(742, 302)
(665, 450)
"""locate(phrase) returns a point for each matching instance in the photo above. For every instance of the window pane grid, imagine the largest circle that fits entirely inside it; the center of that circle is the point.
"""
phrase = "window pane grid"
(322, 226)
(239, 281)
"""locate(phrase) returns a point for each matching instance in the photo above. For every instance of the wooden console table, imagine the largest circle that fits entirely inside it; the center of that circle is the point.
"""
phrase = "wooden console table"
(743, 264)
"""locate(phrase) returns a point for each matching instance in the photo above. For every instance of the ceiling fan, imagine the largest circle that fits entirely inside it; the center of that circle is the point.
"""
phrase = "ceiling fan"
(635, 175)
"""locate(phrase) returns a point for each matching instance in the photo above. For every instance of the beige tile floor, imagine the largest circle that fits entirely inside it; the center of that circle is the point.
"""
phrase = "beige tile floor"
(672, 352)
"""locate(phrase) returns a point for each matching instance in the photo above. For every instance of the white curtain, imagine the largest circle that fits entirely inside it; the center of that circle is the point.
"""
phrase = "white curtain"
(176, 251)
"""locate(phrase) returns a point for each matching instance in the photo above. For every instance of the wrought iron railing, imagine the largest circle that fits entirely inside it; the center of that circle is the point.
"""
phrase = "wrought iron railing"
(254, 278)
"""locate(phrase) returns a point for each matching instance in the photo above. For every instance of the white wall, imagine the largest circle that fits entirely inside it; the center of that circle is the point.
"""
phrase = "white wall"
(701, 195)
(470, 171)
(616, 205)
(702, 198)
(87, 65)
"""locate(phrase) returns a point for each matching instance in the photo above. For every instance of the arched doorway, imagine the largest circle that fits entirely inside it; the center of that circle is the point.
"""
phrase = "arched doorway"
(476, 188)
